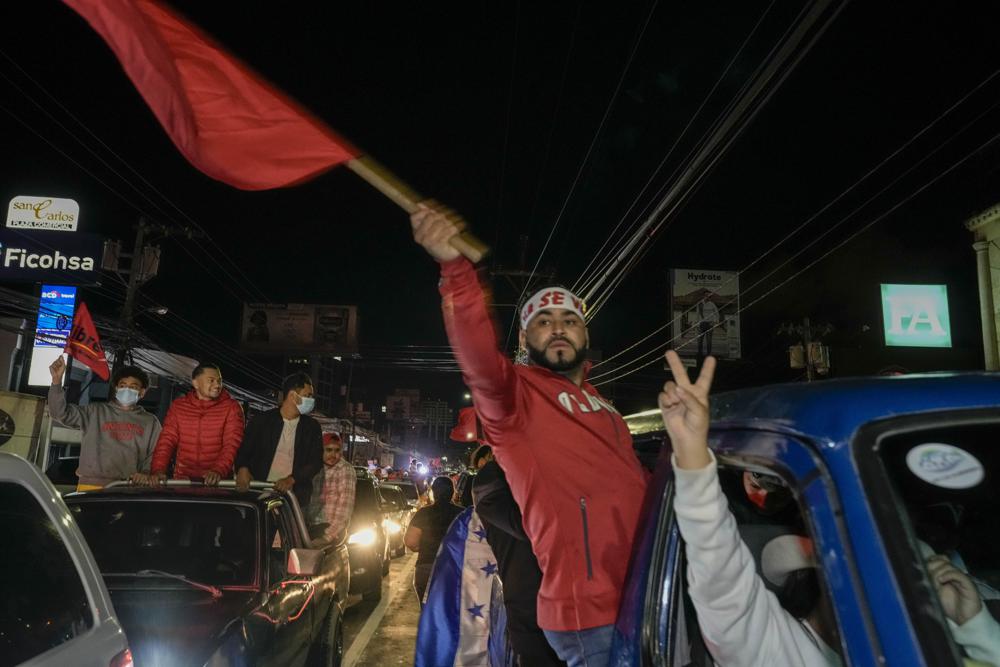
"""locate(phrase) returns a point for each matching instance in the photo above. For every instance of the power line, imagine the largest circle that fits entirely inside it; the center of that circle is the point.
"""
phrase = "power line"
(833, 249)
(800, 39)
(577, 286)
(95, 154)
(843, 194)
(586, 158)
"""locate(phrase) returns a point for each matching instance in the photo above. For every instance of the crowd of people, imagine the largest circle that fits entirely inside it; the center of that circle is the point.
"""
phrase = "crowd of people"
(205, 436)
(558, 489)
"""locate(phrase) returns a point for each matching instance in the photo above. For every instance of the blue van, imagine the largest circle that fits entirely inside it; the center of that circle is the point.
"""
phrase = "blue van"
(879, 471)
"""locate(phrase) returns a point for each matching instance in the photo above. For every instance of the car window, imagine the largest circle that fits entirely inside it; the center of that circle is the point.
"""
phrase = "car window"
(212, 543)
(392, 494)
(945, 483)
(281, 544)
(769, 519)
(43, 602)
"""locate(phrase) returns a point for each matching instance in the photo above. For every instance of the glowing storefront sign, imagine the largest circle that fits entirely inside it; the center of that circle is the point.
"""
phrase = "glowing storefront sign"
(916, 316)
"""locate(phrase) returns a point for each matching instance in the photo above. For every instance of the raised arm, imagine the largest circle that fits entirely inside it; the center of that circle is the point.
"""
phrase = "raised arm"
(734, 609)
(72, 416)
(488, 373)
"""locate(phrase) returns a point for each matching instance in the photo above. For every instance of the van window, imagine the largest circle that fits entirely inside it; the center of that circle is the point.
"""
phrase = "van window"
(43, 602)
(771, 524)
(945, 488)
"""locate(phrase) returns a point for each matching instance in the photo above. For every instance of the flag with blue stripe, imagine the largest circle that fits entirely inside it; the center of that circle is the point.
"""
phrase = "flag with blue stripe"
(454, 629)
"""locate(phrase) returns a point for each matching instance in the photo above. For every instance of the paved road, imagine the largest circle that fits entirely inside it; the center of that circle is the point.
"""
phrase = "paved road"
(384, 633)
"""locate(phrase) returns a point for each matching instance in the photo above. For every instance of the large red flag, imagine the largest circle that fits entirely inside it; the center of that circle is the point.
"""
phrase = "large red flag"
(225, 119)
(467, 428)
(84, 345)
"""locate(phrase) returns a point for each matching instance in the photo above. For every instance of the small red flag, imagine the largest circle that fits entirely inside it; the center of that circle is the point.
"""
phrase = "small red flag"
(225, 119)
(467, 428)
(84, 345)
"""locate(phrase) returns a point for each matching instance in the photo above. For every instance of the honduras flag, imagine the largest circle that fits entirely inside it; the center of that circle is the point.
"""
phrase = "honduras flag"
(459, 605)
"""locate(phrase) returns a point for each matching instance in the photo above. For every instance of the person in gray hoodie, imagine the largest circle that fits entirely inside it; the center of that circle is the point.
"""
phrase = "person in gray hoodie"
(117, 437)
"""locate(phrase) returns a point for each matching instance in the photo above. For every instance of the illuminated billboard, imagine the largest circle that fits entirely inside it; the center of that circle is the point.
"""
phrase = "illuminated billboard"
(299, 327)
(916, 316)
(55, 319)
(705, 311)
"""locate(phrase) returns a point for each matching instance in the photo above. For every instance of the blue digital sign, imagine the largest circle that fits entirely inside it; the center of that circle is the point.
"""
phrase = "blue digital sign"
(55, 315)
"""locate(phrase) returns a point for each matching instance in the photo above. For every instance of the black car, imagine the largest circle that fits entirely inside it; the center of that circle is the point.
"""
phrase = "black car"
(202, 575)
(367, 542)
(396, 514)
(411, 491)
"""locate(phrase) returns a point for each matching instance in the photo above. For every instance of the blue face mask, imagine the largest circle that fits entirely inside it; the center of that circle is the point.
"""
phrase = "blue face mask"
(127, 396)
(306, 404)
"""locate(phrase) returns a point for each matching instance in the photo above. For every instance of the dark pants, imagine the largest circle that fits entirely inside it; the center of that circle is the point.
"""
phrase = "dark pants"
(705, 330)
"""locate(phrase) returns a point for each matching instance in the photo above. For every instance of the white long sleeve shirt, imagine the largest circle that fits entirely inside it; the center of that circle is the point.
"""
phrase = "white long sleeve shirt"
(742, 622)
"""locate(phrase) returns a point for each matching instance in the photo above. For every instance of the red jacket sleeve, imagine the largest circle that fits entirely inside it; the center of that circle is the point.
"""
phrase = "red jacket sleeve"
(166, 444)
(232, 437)
(487, 372)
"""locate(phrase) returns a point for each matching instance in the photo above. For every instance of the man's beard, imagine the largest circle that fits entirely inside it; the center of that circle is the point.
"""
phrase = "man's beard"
(564, 361)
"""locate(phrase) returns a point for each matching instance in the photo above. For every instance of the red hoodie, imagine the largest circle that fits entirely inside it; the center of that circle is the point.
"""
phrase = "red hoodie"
(205, 435)
(568, 457)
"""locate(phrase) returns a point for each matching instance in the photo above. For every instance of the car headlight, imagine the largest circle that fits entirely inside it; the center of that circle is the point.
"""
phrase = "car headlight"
(392, 527)
(365, 537)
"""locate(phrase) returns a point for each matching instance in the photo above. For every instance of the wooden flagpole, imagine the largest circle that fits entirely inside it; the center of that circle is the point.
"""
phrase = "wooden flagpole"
(406, 198)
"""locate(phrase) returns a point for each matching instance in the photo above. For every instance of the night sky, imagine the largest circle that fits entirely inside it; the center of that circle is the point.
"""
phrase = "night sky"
(491, 108)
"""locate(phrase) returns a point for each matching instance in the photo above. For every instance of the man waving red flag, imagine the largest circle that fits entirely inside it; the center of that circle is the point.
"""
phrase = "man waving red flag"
(84, 345)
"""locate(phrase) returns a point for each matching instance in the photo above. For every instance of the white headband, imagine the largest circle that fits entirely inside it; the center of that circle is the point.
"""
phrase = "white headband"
(551, 297)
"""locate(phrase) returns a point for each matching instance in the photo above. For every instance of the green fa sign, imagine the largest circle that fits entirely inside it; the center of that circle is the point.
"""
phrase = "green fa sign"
(916, 316)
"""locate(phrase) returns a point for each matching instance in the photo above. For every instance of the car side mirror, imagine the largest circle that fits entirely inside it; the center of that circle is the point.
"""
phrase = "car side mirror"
(305, 562)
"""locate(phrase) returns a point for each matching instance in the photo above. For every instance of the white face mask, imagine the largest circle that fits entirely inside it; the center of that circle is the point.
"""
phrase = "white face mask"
(306, 404)
(127, 396)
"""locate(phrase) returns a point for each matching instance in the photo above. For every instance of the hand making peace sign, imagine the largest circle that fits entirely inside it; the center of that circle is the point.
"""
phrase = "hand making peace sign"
(684, 407)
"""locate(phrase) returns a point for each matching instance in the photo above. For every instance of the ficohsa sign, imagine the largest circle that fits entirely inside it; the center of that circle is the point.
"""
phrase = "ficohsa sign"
(48, 213)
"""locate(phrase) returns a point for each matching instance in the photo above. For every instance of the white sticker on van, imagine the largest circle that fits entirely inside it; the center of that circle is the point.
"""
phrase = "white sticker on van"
(945, 466)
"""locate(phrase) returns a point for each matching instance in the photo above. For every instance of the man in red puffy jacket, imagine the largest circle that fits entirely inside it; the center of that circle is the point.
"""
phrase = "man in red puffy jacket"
(204, 428)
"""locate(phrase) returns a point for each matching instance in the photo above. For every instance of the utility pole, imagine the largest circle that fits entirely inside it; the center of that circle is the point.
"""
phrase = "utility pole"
(810, 353)
(521, 279)
(143, 265)
(135, 279)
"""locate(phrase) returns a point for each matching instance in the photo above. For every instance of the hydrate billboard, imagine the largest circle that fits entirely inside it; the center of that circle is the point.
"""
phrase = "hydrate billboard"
(705, 305)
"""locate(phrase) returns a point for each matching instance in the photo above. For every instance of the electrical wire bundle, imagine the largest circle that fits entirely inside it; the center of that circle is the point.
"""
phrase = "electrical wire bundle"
(611, 370)
(147, 200)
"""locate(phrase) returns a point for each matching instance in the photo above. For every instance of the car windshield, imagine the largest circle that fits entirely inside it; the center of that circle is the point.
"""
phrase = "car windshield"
(947, 481)
(214, 543)
(392, 494)
(410, 491)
